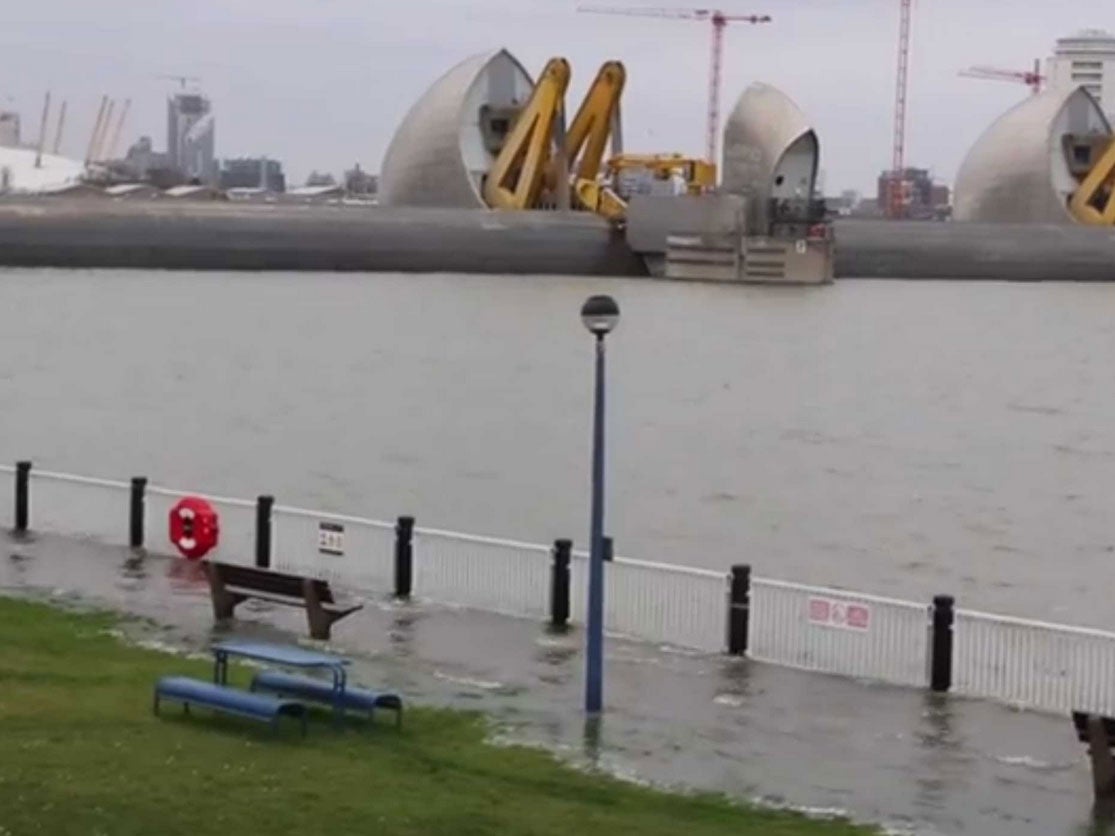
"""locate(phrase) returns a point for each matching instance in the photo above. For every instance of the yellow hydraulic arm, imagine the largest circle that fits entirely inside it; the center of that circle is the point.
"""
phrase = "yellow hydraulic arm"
(588, 135)
(1093, 202)
(516, 178)
(526, 174)
(587, 140)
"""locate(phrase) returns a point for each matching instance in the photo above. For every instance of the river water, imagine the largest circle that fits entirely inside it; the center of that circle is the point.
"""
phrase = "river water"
(897, 438)
(903, 439)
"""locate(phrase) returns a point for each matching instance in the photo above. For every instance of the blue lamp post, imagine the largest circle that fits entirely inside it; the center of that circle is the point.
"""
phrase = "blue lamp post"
(600, 315)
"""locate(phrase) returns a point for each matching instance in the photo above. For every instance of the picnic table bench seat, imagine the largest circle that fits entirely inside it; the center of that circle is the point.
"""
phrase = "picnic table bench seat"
(222, 698)
(319, 691)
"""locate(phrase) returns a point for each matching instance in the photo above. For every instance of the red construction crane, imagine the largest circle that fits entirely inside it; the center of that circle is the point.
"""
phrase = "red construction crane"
(895, 202)
(1031, 78)
(719, 21)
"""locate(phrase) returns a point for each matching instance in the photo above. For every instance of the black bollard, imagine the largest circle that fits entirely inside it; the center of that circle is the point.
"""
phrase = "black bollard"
(559, 583)
(264, 504)
(739, 610)
(136, 512)
(22, 496)
(404, 557)
(940, 664)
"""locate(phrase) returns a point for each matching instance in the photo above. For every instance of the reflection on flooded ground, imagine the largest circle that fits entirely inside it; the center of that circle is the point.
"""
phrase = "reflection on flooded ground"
(919, 762)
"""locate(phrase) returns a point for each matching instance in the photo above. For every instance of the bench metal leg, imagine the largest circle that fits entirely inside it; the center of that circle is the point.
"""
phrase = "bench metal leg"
(155, 704)
(398, 716)
(1103, 765)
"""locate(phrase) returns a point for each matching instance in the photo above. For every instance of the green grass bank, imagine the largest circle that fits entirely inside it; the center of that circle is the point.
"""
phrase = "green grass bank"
(83, 754)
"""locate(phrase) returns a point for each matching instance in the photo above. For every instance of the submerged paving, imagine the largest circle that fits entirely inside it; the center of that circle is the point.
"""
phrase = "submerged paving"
(917, 762)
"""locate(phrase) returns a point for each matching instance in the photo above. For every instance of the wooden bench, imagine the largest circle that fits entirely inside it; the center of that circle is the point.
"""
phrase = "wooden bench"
(1099, 733)
(227, 700)
(229, 585)
(320, 691)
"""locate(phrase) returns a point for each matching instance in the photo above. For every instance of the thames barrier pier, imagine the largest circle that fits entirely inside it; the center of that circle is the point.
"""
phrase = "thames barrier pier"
(485, 174)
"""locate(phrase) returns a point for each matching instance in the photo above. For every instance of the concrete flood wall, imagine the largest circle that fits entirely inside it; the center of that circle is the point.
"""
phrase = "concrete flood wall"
(52, 232)
(223, 236)
(1006, 252)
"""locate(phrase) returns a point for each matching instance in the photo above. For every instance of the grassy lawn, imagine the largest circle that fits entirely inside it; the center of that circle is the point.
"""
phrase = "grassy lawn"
(83, 754)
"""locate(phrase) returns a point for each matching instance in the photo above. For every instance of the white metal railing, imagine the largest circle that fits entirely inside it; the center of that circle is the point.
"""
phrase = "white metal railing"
(839, 632)
(658, 602)
(237, 535)
(7, 497)
(499, 575)
(352, 551)
(1033, 664)
(1028, 663)
(78, 506)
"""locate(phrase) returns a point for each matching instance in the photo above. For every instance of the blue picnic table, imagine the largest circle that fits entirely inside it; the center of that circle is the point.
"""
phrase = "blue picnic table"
(287, 656)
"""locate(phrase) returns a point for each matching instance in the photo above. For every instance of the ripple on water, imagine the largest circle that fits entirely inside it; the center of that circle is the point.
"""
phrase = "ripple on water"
(1032, 763)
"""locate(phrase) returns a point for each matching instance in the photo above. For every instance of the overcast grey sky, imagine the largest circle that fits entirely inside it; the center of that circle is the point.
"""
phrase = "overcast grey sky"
(323, 83)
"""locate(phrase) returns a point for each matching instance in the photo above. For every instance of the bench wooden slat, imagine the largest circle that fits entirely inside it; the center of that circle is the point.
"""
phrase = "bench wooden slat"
(277, 583)
(230, 585)
(248, 592)
(293, 601)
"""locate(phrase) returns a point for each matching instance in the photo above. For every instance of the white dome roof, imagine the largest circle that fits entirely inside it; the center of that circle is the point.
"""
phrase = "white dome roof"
(18, 172)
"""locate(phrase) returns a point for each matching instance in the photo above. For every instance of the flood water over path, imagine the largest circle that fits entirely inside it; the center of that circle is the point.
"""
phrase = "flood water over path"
(921, 764)
(904, 439)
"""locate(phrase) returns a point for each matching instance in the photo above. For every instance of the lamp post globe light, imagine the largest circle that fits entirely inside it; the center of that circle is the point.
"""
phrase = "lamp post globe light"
(600, 315)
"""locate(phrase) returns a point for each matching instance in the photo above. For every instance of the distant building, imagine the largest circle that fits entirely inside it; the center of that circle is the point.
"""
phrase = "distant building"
(143, 162)
(360, 183)
(940, 196)
(321, 179)
(1086, 59)
(253, 173)
(867, 208)
(922, 199)
(191, 137)
(9, 129)
(844, 204)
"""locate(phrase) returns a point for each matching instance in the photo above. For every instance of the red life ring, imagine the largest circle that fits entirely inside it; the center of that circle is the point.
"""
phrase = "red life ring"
(194, 527)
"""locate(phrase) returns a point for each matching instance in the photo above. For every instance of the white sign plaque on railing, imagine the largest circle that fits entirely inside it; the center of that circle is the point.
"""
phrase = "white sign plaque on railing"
(843, 615)
(331, 538)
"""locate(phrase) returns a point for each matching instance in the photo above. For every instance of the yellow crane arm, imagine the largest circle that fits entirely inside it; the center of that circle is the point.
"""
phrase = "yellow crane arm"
(601, 199)
(588, 135)
(1093, 202)
(516, 178)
